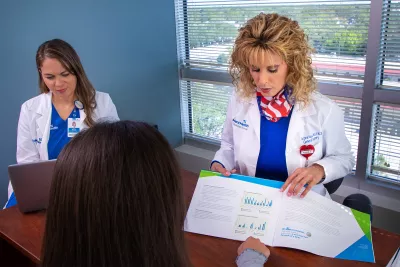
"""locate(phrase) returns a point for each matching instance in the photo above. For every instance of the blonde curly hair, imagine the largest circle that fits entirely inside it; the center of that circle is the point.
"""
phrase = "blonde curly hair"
(277, 35)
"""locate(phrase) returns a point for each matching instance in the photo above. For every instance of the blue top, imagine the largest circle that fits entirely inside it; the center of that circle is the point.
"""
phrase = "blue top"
(59, 132)
(271, 163)
(251, 258)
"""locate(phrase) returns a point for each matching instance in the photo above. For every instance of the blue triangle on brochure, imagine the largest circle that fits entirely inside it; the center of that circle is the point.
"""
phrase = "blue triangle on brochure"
(361, 250)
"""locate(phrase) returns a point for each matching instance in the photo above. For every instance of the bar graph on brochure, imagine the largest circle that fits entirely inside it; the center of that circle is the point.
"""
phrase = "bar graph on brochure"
(238, 206)
(250, 225)
(255, 201)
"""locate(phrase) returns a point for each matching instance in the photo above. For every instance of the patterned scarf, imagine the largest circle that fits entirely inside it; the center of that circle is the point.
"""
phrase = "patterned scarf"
(276, 107)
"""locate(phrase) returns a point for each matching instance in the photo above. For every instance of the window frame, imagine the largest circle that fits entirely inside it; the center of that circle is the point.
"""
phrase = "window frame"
(369, 93)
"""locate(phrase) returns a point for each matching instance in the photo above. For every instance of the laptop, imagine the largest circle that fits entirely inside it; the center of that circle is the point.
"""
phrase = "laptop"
(31, 183)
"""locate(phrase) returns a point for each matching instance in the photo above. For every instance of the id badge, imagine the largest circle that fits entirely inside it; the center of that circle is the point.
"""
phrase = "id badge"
(74, 126)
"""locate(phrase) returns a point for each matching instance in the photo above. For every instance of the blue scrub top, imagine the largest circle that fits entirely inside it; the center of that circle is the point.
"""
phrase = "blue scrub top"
(59, 132)
(271, 163)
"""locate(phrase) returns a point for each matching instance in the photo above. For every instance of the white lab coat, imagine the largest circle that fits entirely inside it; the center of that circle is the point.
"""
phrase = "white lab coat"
(34, 125)
(320, 123)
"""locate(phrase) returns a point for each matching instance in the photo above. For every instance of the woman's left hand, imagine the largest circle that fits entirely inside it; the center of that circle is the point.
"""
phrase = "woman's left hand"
(255, 244)
(302, 176)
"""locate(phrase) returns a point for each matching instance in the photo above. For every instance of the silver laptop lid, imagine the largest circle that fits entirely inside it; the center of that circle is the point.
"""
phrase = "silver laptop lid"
(31, 183)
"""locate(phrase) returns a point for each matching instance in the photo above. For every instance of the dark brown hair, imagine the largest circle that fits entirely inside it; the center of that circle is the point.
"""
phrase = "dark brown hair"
(65, 53)
(116, 200)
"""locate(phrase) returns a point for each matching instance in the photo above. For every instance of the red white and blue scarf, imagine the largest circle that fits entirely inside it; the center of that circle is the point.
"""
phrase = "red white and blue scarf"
(276, 107)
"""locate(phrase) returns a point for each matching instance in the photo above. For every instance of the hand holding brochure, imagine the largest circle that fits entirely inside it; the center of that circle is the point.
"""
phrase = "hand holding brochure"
(238, 206)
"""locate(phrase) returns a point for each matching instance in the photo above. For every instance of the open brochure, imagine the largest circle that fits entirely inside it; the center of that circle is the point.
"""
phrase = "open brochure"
(238, 206)
(395, 260)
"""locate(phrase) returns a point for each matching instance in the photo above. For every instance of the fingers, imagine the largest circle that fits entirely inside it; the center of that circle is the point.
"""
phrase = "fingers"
(300, 185)
(299, 178)
(240, 249)
(244, 245)
(308, 188)
(219, 168)
(295, 183)
(254, 243)
(289, 180)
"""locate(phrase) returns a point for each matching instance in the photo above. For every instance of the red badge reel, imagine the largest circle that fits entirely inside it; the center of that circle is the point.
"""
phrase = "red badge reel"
(307, 151)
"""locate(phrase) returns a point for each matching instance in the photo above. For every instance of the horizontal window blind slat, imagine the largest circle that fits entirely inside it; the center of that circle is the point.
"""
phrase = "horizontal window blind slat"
(386, 143)
(336, 29)
(389, 56)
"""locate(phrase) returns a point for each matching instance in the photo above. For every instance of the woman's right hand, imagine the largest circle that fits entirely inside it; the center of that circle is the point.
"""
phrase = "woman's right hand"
(255, 244)
(217, 167)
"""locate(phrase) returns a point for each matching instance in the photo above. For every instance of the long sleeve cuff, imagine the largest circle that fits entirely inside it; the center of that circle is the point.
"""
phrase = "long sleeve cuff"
(217, 162)
(251, 258)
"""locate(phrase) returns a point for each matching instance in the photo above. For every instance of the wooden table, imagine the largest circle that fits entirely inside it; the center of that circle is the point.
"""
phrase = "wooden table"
(22, 235)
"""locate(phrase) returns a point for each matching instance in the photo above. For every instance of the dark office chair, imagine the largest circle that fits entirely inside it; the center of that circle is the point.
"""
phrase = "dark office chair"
(359, 202)
(331, 187)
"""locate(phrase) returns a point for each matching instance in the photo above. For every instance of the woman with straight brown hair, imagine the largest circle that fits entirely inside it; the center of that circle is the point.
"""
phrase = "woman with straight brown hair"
(116, 200)
(67, 104)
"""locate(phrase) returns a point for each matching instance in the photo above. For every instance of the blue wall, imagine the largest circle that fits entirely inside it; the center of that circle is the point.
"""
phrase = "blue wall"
(128, 49)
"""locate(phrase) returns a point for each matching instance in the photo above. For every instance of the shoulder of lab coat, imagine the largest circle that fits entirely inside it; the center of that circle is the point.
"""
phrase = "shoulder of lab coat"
(323, 105)
(338, 160)
(27, 151)
(105, 109)
(38, 104)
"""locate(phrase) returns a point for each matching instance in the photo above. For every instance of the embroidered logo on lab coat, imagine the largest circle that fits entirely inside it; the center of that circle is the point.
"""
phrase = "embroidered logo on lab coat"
(37, 141)
(241, 124)
(312, 138)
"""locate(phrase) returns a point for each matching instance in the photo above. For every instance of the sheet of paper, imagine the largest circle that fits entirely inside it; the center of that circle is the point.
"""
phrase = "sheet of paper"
(234, 208)
(237, 207)
(395, 260)
(324, 227)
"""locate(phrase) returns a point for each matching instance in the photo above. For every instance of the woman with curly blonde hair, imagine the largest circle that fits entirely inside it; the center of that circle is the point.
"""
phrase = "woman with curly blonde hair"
(278, 126)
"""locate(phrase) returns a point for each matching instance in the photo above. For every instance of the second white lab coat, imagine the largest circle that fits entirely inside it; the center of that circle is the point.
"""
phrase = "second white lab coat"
(34, 125)
(320, 123)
